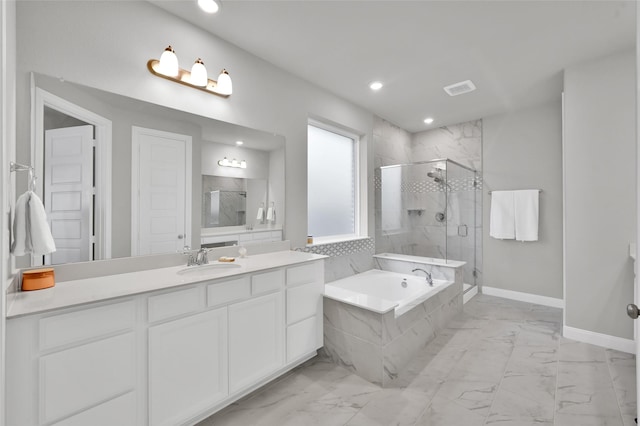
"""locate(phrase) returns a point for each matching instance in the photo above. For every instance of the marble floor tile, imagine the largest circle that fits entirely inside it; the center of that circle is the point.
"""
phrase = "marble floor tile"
(392, 408)
(540, 360)
(562, 419)
(622, 367)
(498, 363)
(524, 398)
(476, 396)
(443, 412)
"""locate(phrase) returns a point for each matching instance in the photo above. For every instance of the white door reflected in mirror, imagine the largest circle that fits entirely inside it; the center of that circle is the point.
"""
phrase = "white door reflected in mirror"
(161, 186)
(68, 192)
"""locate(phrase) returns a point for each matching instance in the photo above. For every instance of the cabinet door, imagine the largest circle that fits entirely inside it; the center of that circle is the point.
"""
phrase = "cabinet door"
(78, 378)
(256, 340)
(187, 366)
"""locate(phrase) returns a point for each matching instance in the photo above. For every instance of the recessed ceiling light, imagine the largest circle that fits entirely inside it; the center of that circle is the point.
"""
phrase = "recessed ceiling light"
(428, 120)
(239, 143)
(209, 6)
(376, 85)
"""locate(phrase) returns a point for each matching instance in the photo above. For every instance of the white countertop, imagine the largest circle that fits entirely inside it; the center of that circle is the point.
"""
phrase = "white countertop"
(71, 293)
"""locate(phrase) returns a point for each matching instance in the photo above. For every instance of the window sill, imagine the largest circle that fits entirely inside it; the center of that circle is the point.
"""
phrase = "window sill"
(333, 240)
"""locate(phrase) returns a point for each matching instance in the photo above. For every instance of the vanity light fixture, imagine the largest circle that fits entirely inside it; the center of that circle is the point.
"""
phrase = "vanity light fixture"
(233, 163)
(167, 67)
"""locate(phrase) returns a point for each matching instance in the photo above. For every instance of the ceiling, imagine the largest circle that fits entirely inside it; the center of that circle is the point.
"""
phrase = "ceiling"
(514, 51)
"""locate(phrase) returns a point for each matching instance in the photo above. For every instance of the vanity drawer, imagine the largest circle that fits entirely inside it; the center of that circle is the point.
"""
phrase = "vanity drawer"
(262, 236)
(301, 338)
(85, 324)
(80, 378)
(304, 301)
(266, 282)
(245, 237)
(305, 274)
(176, 303)
(224, 292)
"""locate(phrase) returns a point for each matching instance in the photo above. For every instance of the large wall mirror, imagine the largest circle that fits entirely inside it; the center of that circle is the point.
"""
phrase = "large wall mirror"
(120, 177)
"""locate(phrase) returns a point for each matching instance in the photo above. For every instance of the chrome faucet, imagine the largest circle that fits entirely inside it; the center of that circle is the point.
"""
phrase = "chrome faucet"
(429, 279)
(201, 257)
(196, 257)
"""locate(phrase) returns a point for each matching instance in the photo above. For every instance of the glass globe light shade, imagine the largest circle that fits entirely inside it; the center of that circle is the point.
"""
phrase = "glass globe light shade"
(199, 74)
(168, 63)
(224, 86)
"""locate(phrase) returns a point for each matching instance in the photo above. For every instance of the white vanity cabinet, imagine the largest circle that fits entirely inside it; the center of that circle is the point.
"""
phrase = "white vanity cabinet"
(74, 367)
(187, 366)
(165, 357)
(256, 332)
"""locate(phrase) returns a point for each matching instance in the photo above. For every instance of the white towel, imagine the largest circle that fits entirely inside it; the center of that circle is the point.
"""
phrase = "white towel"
(526, 203)
(31, 232)
(502, 215)
(271, 214)
(260, 214)
(21, 245)
(41, 238)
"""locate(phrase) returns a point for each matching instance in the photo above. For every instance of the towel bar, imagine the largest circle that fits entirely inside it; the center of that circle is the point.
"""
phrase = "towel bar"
(539, 190)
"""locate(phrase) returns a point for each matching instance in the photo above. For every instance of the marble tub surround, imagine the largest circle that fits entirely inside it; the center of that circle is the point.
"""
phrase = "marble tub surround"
(377, 346)
(501, 362)
(101, 288)
(345, 258)
(438, 268)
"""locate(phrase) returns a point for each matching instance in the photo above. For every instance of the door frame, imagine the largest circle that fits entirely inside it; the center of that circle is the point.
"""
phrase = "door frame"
(102, 164)
(136, 131)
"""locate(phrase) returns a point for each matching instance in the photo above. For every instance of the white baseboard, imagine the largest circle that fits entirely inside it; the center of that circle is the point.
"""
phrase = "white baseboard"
(469, 294)
(598, 339)
(523, 297)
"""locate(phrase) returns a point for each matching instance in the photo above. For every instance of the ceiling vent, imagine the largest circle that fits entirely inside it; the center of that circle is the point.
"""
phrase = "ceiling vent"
(460, 88)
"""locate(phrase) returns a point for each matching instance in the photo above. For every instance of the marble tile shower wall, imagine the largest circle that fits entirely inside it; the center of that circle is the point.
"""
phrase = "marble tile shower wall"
(461, 143)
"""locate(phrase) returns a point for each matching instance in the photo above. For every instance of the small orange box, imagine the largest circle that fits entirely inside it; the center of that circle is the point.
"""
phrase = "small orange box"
(37, 279)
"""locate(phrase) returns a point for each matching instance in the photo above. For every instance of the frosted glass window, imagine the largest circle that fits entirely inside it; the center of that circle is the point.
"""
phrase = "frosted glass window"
(331, 181)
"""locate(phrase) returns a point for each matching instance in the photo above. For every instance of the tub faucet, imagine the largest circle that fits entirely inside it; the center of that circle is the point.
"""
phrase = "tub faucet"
(429, 279)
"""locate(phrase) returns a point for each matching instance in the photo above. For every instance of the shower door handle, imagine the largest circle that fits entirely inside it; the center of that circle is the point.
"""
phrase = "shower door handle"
(463, 231)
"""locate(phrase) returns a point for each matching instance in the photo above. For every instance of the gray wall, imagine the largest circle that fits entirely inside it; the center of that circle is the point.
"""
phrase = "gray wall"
(600, 193)
(523, 150)
(109, 47)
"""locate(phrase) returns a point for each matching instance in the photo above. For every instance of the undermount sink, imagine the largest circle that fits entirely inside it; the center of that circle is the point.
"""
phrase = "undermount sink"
(208, 268)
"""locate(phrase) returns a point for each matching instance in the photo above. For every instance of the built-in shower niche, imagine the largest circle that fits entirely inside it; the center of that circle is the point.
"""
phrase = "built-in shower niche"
(428, 209)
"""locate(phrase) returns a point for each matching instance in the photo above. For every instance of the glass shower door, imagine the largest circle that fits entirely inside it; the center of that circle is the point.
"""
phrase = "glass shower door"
(461, 216)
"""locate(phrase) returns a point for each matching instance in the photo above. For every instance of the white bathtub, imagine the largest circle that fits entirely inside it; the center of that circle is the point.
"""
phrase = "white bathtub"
(384, 291)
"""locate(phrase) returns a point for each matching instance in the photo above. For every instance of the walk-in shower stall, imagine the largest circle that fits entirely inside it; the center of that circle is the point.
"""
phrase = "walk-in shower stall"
(429, 209)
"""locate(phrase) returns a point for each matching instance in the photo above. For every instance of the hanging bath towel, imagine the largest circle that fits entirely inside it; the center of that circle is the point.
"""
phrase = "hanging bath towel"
(501, 218)
(526, 203)
(31, 232)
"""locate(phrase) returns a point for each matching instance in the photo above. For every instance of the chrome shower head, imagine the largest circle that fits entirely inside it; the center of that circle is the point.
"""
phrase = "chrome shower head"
(435, 175)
